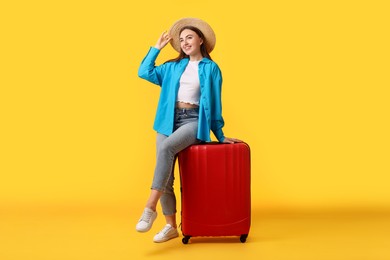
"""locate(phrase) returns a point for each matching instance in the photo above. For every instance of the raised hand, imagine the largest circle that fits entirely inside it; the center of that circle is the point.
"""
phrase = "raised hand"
(163, 40)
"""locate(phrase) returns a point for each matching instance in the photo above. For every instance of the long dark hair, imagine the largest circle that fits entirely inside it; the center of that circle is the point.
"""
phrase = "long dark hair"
(203, 49)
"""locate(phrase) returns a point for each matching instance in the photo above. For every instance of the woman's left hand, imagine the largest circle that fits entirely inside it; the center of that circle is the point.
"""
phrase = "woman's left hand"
(229, 140)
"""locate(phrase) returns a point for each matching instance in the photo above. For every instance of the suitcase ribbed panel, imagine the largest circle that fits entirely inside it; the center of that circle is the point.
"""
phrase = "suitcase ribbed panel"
(215, 185)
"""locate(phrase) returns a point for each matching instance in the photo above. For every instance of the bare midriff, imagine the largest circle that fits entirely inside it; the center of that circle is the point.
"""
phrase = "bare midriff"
(185, 105)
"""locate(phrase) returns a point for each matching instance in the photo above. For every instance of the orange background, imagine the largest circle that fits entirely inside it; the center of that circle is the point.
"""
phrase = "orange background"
(306, 84)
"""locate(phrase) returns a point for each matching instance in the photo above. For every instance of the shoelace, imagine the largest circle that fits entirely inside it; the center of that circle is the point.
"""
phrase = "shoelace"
(165, 230)
(147, 216)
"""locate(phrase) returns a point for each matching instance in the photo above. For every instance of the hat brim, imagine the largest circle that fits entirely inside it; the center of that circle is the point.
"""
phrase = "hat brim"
(205, 28)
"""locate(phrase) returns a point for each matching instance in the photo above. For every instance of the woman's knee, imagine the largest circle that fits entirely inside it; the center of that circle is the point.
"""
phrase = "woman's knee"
(165, 148)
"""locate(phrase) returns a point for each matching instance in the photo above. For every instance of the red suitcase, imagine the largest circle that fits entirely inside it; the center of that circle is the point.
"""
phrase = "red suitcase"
(215, 190)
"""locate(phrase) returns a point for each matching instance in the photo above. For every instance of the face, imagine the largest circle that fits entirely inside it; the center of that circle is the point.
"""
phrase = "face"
(190, 42)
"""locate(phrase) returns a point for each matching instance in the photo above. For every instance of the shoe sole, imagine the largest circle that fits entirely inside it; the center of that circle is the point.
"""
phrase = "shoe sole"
(142, 230)
(166, 239)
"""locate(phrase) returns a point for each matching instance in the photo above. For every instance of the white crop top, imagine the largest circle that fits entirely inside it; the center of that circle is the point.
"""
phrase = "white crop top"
(189, 90)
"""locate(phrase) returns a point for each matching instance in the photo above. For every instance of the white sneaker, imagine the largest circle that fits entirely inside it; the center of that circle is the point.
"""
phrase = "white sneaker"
(168, 232)
(145, 222)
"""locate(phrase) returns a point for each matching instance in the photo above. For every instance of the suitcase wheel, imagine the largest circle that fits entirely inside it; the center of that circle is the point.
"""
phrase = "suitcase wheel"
(243, 238)
(186, 239)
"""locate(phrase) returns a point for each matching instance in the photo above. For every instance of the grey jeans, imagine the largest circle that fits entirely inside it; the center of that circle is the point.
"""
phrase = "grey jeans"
(184, 135)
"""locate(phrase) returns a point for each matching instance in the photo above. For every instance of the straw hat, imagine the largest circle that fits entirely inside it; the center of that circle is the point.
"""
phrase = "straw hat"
(204, 27)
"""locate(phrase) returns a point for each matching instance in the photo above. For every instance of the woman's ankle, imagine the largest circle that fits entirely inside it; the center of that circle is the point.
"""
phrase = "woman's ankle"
(151, 207)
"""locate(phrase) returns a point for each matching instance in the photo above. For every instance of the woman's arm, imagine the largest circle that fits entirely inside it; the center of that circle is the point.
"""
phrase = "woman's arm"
(147, 69)
(218, 122)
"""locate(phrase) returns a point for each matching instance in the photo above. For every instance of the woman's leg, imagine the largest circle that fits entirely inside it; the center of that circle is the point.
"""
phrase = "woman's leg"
(183, 137)
(186, 127)
(171, 220)
(153, 199)
(149, 215)
(156, 194)
(162, 186)
(168, 147)
(168, 202)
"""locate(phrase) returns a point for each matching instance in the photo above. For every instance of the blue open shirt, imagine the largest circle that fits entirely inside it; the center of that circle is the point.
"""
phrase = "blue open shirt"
(168, 76)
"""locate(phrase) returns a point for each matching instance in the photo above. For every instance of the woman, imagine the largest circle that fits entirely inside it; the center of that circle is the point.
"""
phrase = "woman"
(189, 107)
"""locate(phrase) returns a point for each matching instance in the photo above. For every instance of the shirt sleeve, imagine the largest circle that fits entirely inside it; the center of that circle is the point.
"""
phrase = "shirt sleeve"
(217, 121)
(148, 70)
